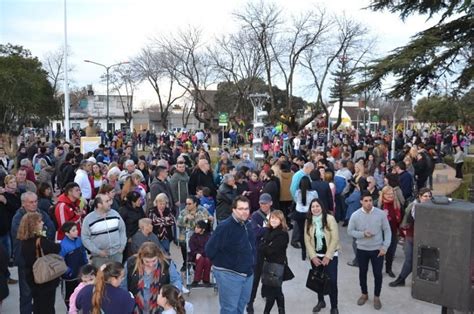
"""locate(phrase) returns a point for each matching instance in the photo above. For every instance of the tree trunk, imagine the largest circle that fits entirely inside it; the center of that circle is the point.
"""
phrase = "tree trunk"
(339, 115)
(9, 143)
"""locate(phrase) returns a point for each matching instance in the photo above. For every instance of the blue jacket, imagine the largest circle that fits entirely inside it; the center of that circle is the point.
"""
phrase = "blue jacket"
(406, 184)
(232, 246)
(48, 226)
(353, 203)
(257, 221)
(75, 256)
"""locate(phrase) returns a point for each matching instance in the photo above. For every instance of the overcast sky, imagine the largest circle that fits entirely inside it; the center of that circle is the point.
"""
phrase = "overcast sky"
(110, 31)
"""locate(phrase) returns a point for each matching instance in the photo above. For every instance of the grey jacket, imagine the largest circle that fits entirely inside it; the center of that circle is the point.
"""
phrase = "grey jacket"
(104, 233)
(179, 187)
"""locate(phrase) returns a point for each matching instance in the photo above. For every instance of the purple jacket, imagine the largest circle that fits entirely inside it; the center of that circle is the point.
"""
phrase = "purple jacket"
(256, 189)
(197, 243)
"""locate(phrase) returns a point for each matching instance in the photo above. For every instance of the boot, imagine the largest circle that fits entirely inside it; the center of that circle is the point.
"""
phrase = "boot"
(398, 282)
(281, 304)
(268, 305)
(390, 272)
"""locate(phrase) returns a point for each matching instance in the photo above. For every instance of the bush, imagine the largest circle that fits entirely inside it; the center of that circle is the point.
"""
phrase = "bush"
(468, 171)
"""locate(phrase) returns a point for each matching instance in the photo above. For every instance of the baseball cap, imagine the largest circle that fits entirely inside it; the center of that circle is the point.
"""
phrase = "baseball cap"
(265, 198)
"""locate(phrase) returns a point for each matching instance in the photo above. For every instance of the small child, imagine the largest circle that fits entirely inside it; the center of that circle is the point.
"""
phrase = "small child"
(207, 201)
(144, 234)
(172, 301)
(197, 243)
(74, 255)
(87, 275)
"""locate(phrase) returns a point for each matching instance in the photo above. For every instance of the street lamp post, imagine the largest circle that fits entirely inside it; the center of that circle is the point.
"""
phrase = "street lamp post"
(107, 68)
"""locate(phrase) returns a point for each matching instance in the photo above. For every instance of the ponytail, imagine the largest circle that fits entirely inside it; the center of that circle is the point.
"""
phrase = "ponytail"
(174, 297)
(107, 271)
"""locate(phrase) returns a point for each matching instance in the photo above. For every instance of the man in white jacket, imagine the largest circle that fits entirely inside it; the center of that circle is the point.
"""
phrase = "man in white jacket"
(82, 178)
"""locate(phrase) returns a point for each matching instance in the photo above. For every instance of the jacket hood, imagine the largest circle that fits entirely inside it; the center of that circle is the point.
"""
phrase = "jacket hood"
(64, 199)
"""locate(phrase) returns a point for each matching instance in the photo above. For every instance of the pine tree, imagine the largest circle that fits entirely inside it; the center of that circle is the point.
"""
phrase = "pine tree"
(342, 88)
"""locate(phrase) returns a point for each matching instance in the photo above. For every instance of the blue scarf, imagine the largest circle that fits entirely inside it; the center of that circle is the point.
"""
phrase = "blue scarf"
(318, 231)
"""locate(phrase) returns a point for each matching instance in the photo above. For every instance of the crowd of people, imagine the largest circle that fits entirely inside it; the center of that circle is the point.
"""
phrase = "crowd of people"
(114, 214)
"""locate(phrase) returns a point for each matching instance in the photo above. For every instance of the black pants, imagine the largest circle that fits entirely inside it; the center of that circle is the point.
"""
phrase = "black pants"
(364, 257)
(459, 170)
(184, 252)
(257, 274)
(331, 271)
(300, 219)
(69, 287)
(391, 251)
(269, 301)
(43, 300)
(285, 207)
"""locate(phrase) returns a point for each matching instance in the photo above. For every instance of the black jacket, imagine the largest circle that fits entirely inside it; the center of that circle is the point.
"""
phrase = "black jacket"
(28, 252)
(272, 187)
(130, 217)
(324, 193)
(157, 187)
(225, 197)
(199, 178)
(274, 244)
(66, 174)
(4, 274)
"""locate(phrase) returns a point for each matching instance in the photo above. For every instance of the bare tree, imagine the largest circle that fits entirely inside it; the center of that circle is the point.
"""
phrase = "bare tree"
(122, 78)
(159, 67)
(348, 42)
(238, 60)
(193, 71)
(282, 47)
(188, 109)
(53, 64)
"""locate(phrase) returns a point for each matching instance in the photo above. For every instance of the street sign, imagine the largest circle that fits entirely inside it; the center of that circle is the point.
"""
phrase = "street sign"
(375, 118)
(223, 119)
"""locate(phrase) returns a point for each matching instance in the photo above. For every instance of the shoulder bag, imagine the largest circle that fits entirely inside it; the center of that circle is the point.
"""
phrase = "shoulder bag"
(272, 274)
(47, 267)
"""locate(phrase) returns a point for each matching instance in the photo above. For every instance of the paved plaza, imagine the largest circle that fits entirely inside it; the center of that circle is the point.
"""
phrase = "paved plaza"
(298, 298)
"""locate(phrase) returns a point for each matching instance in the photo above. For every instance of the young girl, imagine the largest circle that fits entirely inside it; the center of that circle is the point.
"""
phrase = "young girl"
(87, 275)
(171, 300)
(197, 244)
(106, 296)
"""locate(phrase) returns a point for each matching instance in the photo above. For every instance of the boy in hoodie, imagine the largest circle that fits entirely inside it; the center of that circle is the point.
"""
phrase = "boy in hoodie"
(68, 208)
(74, 255)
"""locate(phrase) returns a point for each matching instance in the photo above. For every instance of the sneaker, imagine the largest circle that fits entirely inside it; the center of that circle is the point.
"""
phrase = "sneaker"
(319, 306)
(185, 290)
(363, 298)
(377, 303)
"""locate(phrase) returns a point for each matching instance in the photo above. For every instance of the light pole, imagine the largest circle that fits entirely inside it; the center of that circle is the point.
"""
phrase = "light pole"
(107, 68)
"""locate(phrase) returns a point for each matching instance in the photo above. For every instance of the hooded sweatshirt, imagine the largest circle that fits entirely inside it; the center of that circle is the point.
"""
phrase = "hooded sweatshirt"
(67, 210)
(179, 186)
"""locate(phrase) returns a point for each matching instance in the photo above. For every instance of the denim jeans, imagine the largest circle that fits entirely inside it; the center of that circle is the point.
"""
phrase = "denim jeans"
(364, 257)
(26, 299)
(331, 271)
(408, 263)
(234, 291)
(6, 242)
(166, 245)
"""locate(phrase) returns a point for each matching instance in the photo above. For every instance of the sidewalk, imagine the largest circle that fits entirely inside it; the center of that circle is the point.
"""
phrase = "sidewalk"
(444, 181)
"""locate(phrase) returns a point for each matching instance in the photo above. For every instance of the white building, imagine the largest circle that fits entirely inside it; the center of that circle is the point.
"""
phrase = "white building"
(95, 106)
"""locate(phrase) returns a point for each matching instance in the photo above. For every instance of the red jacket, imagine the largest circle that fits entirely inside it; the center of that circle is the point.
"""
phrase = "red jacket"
(66, 210)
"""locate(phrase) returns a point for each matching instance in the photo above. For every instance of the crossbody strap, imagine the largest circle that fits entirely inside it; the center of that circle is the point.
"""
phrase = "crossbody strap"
(39, 249)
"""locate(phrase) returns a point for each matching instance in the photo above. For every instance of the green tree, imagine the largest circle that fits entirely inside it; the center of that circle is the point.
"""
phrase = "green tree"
(443, 50)
(342, 89)
(26, 95)
(436, 109)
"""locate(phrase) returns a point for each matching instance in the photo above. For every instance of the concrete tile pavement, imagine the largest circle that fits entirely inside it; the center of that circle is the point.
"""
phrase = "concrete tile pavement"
(298, 298)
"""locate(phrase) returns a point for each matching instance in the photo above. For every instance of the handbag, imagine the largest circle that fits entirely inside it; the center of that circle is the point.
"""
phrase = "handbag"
(272, 274)
(47, 267)
(287, 273)
(318, 281)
